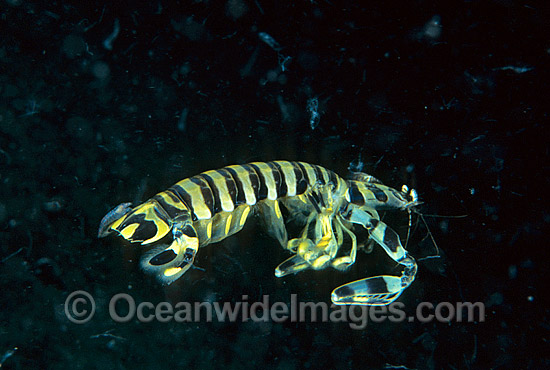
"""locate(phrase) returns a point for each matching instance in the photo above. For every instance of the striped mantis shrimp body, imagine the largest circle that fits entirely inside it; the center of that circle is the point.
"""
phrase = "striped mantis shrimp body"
(209, 207)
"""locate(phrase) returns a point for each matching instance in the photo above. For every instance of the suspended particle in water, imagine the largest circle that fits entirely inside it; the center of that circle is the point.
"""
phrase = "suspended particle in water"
(108, 42)
(356, 165)
(512, 271)
(270, 41)
(283, 61)
(313, 110)
(432, 29)
(101, 70)
(236, 8)
(182, 121)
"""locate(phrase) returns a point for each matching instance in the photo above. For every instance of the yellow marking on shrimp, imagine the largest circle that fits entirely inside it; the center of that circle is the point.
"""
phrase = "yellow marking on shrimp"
(128, 231)
(228, 224)
(269, 180)
(244, 216)
(320, 262)
(277, 209)
(209, 230)
(172, 271)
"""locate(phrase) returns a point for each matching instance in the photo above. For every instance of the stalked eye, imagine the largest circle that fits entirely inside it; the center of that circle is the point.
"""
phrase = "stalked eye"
(163, 258)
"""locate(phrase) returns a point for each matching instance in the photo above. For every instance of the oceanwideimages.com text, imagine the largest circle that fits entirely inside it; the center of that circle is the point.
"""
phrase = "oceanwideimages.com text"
(80, 308)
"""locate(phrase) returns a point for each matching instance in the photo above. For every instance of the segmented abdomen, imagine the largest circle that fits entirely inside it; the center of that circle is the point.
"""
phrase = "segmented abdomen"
(223, 190)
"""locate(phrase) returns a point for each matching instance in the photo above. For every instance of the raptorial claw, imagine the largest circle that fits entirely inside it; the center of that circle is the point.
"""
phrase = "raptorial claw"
(374, 291)
(291, 265)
